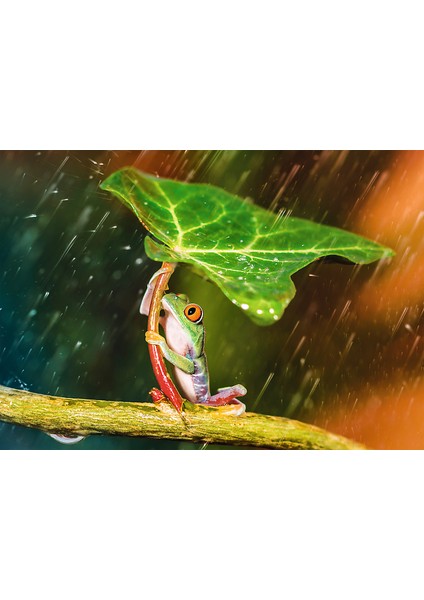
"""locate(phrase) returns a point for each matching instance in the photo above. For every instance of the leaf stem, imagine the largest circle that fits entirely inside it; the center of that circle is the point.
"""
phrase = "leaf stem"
(162, 376)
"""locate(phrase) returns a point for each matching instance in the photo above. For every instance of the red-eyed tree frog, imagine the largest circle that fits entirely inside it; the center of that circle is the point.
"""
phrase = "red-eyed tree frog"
(183, 346)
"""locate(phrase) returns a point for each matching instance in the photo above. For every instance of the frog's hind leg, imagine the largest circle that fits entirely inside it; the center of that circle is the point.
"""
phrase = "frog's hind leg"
(229, 395)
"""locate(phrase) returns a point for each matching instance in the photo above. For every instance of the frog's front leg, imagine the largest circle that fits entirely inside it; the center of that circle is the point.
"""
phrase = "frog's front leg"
(179, 361)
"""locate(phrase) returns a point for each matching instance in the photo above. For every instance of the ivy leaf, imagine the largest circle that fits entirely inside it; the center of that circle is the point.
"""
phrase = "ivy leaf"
(249, 252)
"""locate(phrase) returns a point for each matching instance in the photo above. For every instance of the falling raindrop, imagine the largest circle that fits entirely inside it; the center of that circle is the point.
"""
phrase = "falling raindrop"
(66, 439)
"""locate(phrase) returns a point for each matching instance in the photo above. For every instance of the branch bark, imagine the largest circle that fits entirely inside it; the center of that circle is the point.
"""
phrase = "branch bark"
(75, 416)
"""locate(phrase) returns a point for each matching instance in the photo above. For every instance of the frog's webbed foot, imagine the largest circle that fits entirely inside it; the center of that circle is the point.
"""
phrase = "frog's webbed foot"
(147, 298)
(229, 396)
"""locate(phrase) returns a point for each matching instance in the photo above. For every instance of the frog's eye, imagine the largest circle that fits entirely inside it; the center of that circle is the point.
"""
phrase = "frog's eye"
(194, 313)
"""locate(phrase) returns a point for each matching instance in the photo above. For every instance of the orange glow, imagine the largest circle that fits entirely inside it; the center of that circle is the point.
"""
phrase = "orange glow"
(394, 215)
(382, 419)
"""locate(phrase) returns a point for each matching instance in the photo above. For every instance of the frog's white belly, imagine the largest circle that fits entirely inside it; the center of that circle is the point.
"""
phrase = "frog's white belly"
(185, 382)
(176, 338)
(195, 386)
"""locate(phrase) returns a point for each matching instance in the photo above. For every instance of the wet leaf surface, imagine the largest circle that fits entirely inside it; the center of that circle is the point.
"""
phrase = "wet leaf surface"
(250, 253)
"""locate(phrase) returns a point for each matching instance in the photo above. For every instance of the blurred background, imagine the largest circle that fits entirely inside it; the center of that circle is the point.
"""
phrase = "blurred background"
(347, 354)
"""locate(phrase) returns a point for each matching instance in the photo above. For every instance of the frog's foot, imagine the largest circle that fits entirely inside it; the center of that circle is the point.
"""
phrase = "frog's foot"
(164, 404)
(147, 298)
(157, 396)
(154, 338)
(228, 396)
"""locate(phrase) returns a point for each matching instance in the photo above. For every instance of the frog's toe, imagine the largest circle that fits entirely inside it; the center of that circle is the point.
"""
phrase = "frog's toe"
(153, 338)
(157, 395)
(234, 390)
(235, 408)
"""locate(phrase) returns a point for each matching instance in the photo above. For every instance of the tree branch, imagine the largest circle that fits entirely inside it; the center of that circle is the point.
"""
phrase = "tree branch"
(74, 416)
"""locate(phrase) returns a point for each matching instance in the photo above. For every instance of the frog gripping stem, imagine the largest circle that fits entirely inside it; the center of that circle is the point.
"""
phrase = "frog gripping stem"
(184, 330)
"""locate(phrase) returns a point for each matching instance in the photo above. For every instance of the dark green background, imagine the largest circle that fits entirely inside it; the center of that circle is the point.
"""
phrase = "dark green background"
(73, 270)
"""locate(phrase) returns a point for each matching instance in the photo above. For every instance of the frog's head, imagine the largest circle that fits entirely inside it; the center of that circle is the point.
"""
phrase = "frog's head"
(189, 317)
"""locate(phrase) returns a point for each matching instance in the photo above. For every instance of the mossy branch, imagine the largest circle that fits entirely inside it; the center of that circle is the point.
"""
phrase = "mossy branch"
(74, 416)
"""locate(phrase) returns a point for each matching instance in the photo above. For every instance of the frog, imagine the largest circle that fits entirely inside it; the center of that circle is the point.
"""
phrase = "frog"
(184, 347)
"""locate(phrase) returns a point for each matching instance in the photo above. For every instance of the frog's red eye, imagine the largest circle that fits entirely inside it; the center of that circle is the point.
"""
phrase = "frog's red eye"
(194, 313)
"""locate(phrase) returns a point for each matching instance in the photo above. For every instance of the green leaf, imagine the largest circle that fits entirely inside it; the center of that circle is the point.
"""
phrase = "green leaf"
(249, 252)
